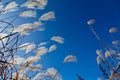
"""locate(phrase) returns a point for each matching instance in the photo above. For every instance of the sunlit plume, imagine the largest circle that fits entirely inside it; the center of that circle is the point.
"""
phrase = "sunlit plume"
(70, 58)
(58, 39)
(113, 30)
(10, 7)
(27, 46)
(52, 48)
(47, 16)
(98, 60)
(25, 29)
(41, 51)
(23, 46)
(29, 4)
(99, 53)
(109, 53)
(52, 72)
(116, 42)
(91, 21)
(30, 47)
(38, 25)
(28, 13)
(21, 29)
(40, 4)
(32, 59)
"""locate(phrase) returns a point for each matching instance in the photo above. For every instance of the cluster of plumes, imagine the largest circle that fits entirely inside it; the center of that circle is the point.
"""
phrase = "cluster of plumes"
(108, 59)
(19, 60)
(26, 65)
(30, 11)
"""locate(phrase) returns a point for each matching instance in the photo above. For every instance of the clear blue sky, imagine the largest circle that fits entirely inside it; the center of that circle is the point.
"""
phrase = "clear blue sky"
(71, 18)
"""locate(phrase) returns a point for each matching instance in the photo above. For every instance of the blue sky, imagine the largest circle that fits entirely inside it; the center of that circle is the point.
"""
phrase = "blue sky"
(71, 18)
(71, 23)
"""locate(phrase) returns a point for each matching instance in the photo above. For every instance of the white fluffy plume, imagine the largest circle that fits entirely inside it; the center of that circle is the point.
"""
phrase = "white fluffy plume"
(10, 7)
(52, 72)
(41, 51)
(47, 16)
(23, 46)
(30, 47)
(98, 60)
(27, 46)
(28, 13)
(29, 4)
(109, 53)
(113, 30)
(91, 21)
(25, 29)
(99, 53)
(52, 48)
(116, 42)
(40, 4)
(70, 58)
(58, 39)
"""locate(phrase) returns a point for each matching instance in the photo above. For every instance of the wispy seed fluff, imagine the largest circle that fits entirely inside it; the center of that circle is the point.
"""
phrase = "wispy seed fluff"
(113, 30)
(70, 58)
(28, 13)
(91, 21)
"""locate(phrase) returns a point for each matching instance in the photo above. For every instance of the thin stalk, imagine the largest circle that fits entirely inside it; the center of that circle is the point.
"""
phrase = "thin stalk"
(105, 46)
(58, 71)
